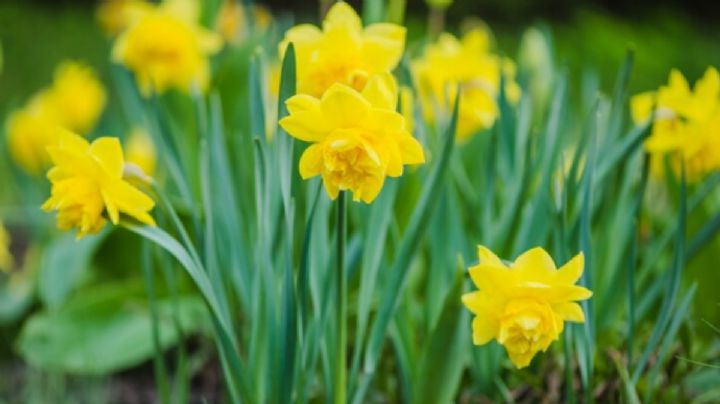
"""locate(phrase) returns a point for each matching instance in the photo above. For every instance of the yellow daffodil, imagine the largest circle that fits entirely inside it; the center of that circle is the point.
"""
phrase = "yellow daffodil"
(6, 258)
(77, 96)
(165, 50)
(468, 63)
(87, 180)
(357, 138)
(75, 101)
(141, 151)
(232, 18)
(115, 16)
(686, 126)
(343, 51)
(29, 131)
(524, 305)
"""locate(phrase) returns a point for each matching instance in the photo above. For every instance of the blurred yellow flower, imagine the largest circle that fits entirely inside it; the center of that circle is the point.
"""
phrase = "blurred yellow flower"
(686, 126)
(141, 151)
(232, 20)
(343, 51)
(165, 50)
(524, 305)
(407, 107)
(469, 63)
(357, 138)
(75, 101)
(87, 180)
(29, 131)
(115, 16)
(6, 258)
(77, 96)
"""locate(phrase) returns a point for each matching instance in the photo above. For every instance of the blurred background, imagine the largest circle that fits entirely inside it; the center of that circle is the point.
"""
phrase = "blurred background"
(36, 34)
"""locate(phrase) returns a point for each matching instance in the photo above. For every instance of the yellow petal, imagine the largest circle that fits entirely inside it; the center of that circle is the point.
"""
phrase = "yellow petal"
(641, 106)
(381, 90)
(383, 46)
(387, 31)
(107, 152)
(483, 330)
(535, 260)
(129, 200)
(302, 103)
(477, 40)
(560, 293)
(521, 360)
(488, 257)
(331, 187)
(411, 150)
(570, 311)
(370, 189)
(708, 87)
(306, 121)
(571, 272)
(111, 209)
(341, 14)
(491, 277)
(311, 161)
(344, 107)
(70, 140)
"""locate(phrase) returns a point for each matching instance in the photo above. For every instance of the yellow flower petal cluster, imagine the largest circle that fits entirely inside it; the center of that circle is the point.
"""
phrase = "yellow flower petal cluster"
(686, 125)
(87, 180)
(75, 100)
(524, 305)
(357, 138)
(343, 51)
(141, 151)
(6, 258)
(166, 48)
(468, 63)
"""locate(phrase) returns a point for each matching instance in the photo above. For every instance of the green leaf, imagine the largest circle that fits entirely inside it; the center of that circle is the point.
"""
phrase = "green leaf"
(672, 288)
(398, 273)
(104, 330)
(63, 265)
(443, 357)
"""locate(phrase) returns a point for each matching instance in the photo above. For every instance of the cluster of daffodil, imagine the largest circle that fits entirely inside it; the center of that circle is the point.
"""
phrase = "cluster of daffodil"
(347, 103)
(469, 65)
(165, 47)
(352, 104)
(75, 101)
(685, 124)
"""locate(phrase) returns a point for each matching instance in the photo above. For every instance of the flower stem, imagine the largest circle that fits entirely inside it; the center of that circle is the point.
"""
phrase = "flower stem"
(436, 21)
(341, 301)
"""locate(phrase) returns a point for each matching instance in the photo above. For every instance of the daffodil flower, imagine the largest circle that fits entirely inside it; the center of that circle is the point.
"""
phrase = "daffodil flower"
(343, 51)
(167, 50)
(469, 64)
(357, 138)
(74, 101)
(524, 305)
(686, 124)
(87, 181)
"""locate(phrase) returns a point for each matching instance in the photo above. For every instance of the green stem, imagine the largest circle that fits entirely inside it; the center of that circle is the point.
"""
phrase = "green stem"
(436, 21)
(341, 300)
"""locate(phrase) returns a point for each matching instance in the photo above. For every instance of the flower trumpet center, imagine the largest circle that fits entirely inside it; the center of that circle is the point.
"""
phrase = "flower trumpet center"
(351, 162)
(527, 327)
(79, 204)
